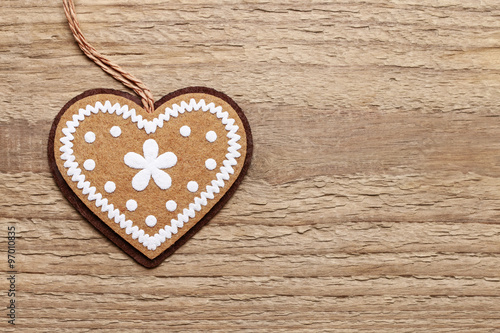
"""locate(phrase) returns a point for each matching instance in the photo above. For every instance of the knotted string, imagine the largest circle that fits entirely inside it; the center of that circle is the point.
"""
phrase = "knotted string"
(102, 61)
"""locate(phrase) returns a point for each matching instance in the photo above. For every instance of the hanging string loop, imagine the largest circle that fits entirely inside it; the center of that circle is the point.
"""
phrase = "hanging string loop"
(105, 63)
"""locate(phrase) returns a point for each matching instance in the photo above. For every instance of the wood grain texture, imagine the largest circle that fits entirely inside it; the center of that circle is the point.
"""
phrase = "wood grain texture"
(373, 199)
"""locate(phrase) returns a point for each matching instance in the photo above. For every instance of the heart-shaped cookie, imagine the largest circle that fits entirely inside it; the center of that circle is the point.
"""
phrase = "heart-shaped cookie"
(149, 181)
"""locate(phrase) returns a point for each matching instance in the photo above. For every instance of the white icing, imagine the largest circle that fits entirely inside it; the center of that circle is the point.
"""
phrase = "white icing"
(210, 164)
(166, 160)
(141, 180)
(115, 131)
(110, 187)
(211, 136)
(171, 205)
(73, 170)
(162, 179)
(192, 186)
(131, 205)
(89, 137)
(185, 131)
(151, 221)
(89, 165)
(150, 164)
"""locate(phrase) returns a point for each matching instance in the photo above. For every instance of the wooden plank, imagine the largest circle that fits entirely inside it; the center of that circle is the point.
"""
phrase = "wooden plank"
(372, 202)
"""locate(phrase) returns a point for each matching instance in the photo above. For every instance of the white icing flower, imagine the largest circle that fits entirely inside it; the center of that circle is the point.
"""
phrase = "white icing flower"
(151, 164)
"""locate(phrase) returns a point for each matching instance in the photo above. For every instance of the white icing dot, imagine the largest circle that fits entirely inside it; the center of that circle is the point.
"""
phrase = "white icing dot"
(171, 205)
(210, 164)
(185, 131)
(89, 137)
(131, 205)
(110, 187)
(192, 186)
(151, 221)
(211, 136)
(115, 131)
(89, 165)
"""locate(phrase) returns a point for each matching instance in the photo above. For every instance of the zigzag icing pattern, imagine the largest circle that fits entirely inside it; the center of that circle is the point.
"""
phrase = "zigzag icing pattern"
(151, 242)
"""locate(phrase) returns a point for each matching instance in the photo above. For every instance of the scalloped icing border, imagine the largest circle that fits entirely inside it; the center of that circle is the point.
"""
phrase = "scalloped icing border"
(73, 171)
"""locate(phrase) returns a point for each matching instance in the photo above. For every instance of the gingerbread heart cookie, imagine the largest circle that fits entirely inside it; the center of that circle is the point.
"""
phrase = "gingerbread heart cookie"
(149, 181)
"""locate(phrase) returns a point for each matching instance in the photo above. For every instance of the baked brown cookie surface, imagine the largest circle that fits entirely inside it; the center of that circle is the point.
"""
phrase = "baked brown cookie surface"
(149, 181)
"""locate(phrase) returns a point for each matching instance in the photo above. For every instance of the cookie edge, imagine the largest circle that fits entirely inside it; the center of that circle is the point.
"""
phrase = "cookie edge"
(101, 225)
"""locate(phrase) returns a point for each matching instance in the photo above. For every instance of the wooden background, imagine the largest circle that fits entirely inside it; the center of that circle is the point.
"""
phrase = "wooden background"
(373, 200)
